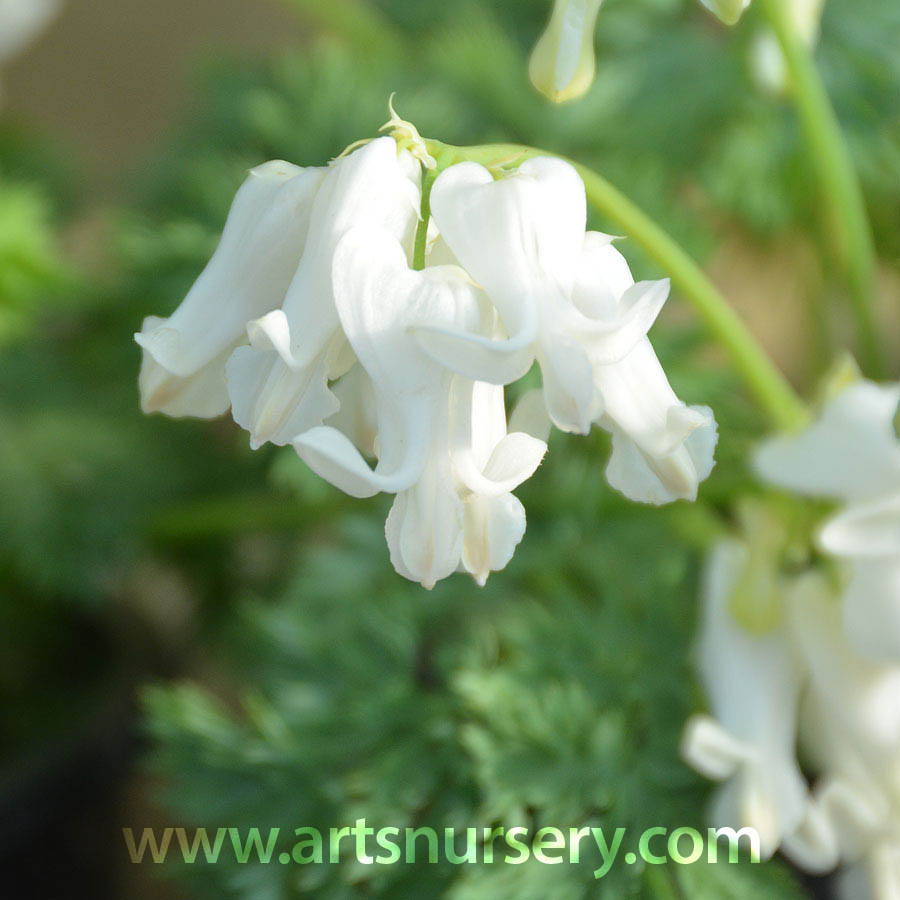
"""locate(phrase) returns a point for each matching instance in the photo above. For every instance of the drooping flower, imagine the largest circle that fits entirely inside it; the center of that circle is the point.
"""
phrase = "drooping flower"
(278, 385)
(323, 325)
(753, 685)
(563, 63)
(567, 299)
(799, 688)
(184, 356)
(851, 454)
(850, 732)
(442, 442)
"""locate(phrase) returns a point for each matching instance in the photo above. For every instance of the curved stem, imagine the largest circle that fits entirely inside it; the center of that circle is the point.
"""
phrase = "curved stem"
(846, 220)
(770, 388)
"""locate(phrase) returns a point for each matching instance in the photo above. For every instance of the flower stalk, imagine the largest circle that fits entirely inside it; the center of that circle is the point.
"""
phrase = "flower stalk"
(845, 212)
(769, 387)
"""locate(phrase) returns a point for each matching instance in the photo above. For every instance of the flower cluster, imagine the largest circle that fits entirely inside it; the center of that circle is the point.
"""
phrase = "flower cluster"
(822, 673)
(312, 323)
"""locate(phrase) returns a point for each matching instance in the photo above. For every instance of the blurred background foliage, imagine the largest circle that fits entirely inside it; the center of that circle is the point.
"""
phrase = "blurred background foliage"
(311, 684)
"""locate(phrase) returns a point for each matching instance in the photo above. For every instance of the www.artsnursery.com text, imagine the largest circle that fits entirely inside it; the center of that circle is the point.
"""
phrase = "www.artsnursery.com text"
(389, 845)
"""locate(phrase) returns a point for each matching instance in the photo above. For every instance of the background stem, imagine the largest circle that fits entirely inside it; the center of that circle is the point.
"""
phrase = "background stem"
(769, 387)
(846, 221)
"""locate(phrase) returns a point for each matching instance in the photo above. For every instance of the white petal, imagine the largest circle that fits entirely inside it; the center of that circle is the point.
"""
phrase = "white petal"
(493, 529)
(379, 299)
(519, 237)
(247, 276)
(356, 415)
(883, 870)
(871, 609)
(570, 395)
(424, 528)
(478, 357)
(371, 186)
(865, 530)
(850, 452)
(513, 461)
(486, 459)
(637, 398)
(202, 394)
(715, 753)
(273, 402)
(602, 278)
(332, 455)
(862, 698)
(611, 341)
(530, 415)
(813, 846)
(673, 476)
(753, 686)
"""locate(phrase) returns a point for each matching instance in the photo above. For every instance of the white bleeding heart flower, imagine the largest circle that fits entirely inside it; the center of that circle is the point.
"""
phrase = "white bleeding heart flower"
(567, 299)
(440, 449)
(563, 62)
(851, 453)
(184, 356)
(324, 325)
(279, 384)
(850, 732)
(752, 682)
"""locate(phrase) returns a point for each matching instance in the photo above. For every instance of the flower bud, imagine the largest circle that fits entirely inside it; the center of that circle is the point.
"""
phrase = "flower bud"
(562, 64)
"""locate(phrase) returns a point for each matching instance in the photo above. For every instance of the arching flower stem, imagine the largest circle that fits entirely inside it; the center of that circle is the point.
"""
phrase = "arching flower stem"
(769, 387)
(846, 220)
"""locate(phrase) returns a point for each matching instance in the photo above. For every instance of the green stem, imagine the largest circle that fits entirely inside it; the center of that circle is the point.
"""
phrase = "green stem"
(846, 220)
(770, 388)
(428, 177)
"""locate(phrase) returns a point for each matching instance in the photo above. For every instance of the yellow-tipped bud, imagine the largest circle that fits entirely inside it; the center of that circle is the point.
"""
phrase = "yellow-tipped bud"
(563, 63)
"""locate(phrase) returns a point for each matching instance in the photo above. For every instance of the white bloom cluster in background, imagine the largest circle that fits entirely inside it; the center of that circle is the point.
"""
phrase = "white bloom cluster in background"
(311, 324)
(822, 676)
(20, 23)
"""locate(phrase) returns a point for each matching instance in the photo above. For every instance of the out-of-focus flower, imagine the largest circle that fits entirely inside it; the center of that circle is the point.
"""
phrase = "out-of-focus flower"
(753, 685)
(800, 687)
(852, 454)
(184, 356)
(729, 11)
(20, 23)
(850, 732)
(563, 62)
(567, 299)
(324, 329)
(767, 58)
